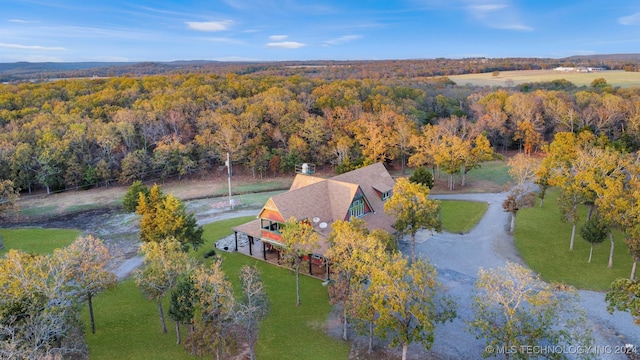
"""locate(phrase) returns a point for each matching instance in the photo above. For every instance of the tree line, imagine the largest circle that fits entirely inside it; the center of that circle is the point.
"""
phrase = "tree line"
(324, 69)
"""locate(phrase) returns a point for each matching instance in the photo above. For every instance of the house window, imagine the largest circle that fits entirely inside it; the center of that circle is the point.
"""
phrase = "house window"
(272, 226)
(386, 195)
(357, 208)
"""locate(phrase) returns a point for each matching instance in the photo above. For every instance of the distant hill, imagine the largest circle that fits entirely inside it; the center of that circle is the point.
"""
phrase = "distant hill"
(606, 57)
(326, 69)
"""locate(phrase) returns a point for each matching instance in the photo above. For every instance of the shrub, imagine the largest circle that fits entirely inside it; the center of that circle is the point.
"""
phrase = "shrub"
(132, 197)
(422, 176)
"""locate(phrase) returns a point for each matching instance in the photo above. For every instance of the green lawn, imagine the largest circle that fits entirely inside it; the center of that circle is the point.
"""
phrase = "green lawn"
(460, 217)
(38, 210)
(37, 241)
(496, 171)
(543, 242)
(255, 187)
(491, 176)
(257, 199)
(128, 327)
(125, 318)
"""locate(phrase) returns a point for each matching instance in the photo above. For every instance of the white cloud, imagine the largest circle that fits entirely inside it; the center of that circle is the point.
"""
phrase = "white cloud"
(518, 27)
(209, 25)
(487, 7)
(278, 37)
(31, 47)
(222, 40)
(286, 45)
(20, 21)
(31, 58)
(497, 14)
(630, 20)
(343, 39)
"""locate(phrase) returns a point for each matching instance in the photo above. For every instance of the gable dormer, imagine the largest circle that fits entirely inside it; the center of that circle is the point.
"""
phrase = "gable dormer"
(271, 221)
(384, 192)
(360, 206)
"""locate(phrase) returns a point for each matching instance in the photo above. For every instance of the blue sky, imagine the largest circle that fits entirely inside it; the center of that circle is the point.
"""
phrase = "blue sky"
(268, 30)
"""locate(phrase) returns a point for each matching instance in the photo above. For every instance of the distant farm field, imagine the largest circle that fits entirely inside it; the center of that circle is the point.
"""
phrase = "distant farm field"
(510, 78)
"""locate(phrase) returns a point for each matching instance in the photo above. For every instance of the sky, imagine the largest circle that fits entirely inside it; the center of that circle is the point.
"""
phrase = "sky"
(276, 30)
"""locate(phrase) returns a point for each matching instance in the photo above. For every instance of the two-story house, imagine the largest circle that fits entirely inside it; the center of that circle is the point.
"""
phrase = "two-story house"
(356, 194)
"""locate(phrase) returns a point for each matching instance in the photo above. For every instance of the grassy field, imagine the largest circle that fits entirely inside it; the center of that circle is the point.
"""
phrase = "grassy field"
(513, 78)
(491, 176)
(126, 318)
(37, 241)
(257, 199)
(41, 205)
(496, 171)
(543, 242)
(459, 217)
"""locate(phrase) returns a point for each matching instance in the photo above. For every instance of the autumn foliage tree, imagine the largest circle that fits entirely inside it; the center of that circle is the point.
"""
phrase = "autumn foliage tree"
(163, 264)
(214, 312)
(164, 216)
(409, 302)
(412, 210)
(354, 252)
(8, 195)
(39, 308)
(514, 308)
(518, 198)
(624, 295)
(88, 260)
(299, 240)
(66, 134)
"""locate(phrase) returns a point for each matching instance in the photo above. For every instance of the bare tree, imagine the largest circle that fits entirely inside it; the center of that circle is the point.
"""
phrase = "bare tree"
(254, 307)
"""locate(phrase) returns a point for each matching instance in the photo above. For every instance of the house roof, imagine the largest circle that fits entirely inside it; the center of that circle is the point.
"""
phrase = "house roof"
(330, 199)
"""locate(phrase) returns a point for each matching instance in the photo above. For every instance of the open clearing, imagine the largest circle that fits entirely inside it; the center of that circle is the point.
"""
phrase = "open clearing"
(512, 78)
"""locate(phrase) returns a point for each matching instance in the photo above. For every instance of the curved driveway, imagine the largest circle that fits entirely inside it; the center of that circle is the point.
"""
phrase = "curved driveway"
(458, 258)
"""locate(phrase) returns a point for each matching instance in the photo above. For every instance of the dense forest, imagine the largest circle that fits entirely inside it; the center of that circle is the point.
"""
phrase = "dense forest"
(92, 132)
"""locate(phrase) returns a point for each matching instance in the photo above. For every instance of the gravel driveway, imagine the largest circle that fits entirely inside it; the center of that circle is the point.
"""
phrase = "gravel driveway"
(458, 258)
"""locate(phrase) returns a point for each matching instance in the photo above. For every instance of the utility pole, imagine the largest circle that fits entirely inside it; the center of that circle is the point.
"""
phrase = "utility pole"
(228, 163)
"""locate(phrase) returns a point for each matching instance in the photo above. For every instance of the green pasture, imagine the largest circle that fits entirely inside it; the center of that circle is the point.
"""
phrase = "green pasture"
(257, 199)
(491, 176)
(459, 217)
(543, 242)
(255, 187)
(37, 241)
(38, 210)
(128, 327)
(513, 78)
(496, 172)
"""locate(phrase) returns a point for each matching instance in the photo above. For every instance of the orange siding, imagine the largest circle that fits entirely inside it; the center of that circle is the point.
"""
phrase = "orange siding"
(271, 236)
(271, 215)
